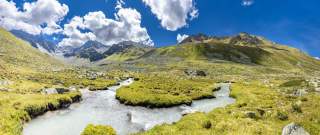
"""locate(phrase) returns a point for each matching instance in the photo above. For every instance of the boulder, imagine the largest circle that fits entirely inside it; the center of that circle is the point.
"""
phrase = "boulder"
(251, 115)
(195, 73)
(294, 129)
(62, 90)
(5, 82)
(49, 91)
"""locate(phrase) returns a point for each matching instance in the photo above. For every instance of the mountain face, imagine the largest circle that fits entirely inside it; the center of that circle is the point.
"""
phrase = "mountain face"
(37, 41)
(126, 50)
(91, 50)
(95, 51)
(242, 48)
(122, 46)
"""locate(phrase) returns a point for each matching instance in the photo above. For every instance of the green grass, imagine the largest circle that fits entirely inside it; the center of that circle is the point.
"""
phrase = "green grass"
(164, 90)
(272, 111)
(16, 109)
(98, 130)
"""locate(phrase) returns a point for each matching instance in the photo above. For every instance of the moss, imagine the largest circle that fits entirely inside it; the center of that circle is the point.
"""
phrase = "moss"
(232, 119)
(165, 90)
(15, 109)
(98, 130)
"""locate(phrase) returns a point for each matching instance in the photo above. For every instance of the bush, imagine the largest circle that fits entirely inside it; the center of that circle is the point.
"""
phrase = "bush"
(98, 130)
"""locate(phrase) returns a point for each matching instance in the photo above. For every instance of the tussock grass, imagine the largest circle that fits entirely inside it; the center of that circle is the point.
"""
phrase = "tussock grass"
(267, 105)
(164, 90)
(98, 130)
(16, 109)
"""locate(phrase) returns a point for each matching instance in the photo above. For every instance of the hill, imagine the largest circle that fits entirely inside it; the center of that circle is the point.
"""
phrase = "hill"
(18, 54)
(242, 48)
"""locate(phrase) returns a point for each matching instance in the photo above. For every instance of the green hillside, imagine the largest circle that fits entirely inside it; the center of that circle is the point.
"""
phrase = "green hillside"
(237, 50)
(17, 54)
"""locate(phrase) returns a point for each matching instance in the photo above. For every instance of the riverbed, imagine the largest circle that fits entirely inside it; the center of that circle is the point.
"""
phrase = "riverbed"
(101, 107)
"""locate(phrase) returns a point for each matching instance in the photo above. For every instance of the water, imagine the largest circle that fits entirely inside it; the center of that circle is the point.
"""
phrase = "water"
(101, 107)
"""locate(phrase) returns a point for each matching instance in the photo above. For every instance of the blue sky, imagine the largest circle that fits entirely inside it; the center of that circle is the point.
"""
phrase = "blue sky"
(291, 22)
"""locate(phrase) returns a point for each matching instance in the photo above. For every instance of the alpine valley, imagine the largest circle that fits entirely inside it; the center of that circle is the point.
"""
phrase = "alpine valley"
(274, 87)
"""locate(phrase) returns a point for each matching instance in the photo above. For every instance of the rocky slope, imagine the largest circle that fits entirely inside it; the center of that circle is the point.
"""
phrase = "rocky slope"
(91, 50)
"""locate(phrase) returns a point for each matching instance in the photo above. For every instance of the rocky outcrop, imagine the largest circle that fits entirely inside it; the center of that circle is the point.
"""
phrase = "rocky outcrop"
(294, 129)
(245, 39)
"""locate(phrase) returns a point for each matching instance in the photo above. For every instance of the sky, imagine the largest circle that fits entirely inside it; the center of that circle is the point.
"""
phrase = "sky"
(162, 22)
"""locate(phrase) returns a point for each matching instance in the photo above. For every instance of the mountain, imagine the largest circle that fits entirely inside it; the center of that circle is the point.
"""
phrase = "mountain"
(242, 48)
(126, 50)
(17, 54)
(36, 41)
(91, 50)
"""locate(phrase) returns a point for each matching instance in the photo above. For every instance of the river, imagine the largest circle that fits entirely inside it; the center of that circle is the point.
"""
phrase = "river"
(101, 107)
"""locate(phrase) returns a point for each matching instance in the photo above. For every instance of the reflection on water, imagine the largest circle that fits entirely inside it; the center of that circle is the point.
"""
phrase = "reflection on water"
(101, 107)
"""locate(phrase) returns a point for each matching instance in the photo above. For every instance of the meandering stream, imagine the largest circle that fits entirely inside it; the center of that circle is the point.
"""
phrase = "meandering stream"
(101, 107)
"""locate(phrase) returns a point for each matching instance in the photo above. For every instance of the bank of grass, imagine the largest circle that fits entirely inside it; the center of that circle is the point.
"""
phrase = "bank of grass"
(34, 82)
(258, 110)
(16, 109)
(98, 130)
(165, 90)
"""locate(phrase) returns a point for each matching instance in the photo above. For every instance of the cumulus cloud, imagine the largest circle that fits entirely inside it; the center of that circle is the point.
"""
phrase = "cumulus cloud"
(317, 58)
(180, 38)
(73, 31)
(125, 27)
(173, 14)
(247, 2)
(41, 16)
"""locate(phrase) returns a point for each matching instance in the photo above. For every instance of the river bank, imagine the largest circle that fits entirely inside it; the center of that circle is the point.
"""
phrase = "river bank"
(102, 108)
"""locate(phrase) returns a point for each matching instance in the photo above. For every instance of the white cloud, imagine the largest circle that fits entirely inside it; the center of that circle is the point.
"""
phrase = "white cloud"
(317, 58)
(75, 36)
(247, 2)
(173, 14)
(125, 27)
(34, 18)
(180, 38)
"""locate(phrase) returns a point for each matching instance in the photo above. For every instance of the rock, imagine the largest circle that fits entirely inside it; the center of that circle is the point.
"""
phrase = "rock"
(187, 110)
(299, 92)
(129, 115)
(5, 82)
(282, 116)
(62, 90)
(251, 115)
(72, 88)
(195, 73)
(4, 89)
(49, 91)
(294, 129)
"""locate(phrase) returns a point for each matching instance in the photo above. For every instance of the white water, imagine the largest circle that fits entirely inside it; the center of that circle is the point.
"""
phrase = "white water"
(101, 107)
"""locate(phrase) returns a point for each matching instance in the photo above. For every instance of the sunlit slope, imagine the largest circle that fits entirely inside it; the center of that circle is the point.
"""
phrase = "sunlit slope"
(264, 53)
(17, 54)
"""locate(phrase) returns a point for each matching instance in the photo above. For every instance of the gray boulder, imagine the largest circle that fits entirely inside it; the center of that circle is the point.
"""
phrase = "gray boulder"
(195, 73)
(294, 129)
(49, 91)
